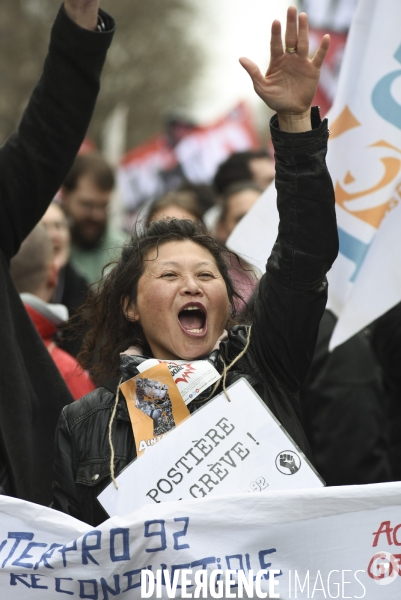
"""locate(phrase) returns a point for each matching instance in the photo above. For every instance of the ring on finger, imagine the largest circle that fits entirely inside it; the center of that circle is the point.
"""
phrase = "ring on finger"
(291, 49)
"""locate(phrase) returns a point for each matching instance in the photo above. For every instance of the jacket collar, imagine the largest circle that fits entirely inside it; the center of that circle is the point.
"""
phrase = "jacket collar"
(132, 357)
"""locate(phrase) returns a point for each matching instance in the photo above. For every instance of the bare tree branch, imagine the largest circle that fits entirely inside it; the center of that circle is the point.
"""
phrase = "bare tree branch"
(151, 65)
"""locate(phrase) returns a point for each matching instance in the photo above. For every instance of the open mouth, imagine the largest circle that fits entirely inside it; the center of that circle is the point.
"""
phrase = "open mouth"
(192, 319)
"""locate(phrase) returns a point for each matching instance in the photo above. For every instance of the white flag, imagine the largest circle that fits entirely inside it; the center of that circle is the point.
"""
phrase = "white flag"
(364, 159)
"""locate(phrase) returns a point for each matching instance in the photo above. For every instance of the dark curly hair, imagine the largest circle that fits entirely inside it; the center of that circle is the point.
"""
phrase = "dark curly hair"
(103, 317)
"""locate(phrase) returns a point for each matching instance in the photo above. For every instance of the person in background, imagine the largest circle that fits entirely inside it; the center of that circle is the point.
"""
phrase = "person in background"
(34, 271)
(252, 165)
(33, 163)
(71, 287)
(205, 194)
(86, 195)
(178, 204)
(236, 200)
(254, 168)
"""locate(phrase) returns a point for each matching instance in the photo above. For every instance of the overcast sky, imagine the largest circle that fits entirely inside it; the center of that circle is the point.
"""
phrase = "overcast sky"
(227, 30)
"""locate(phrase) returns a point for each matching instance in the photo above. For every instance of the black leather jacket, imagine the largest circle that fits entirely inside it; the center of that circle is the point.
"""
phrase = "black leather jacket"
(33, 163)
(290, 303)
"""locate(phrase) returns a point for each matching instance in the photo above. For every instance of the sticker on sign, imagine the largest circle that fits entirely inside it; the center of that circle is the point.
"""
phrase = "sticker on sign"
(191, 378)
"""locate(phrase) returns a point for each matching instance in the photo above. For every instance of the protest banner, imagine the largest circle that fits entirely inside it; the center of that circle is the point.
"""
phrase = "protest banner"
(364, 160)
(226, 447)
(191, 154)
(340, 542)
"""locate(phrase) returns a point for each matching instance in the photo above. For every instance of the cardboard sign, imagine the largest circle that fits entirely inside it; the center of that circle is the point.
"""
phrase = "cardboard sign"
(191, 378)
(224, 448)
(155, 405)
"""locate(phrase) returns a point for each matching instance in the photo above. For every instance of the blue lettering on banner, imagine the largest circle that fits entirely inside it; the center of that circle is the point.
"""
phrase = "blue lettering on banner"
(67, 548)
(58, 585)
(237, 557)
(113, 584)
(34, 582)
(124, 532)
(181, 533)
(175, 568)
(27, 565)
(106, 589)
(83, 583)
(15, 579)
(86, 555)
(203, 562)
(382, 99)
(230, 567)
(263, 564)
(161, 533)
(130, 576)
(235, 562)
(46, 555)
(17, 536)
(353, 249)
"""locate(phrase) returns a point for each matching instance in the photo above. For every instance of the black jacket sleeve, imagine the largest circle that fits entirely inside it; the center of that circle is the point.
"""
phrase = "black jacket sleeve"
(36, 159)
(293, 292)
(344, 411)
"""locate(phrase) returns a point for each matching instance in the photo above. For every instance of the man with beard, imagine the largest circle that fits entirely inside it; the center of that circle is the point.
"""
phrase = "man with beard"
(86, 195)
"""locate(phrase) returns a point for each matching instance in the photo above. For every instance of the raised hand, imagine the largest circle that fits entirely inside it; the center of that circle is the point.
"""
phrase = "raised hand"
(83, 12)
(291, 80)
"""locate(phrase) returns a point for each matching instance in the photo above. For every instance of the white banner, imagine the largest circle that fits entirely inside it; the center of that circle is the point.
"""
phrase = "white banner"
(364, 159)
(226, 447)
(341, 542)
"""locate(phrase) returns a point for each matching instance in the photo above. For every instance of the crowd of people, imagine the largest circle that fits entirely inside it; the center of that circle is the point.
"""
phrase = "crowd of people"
(76, 294)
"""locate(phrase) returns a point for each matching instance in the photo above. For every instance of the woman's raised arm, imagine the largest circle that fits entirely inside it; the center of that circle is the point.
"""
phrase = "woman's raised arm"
(291, 80)
(293, 293)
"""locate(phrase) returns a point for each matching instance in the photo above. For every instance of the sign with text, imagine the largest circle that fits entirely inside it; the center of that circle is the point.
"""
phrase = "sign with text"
(226, 447)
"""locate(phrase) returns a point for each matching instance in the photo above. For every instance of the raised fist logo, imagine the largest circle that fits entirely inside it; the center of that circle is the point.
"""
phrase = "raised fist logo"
(288, 462)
